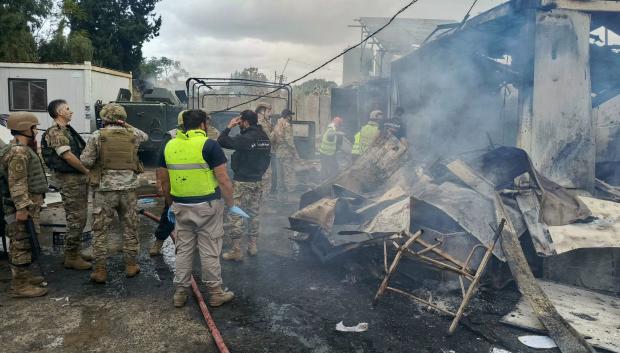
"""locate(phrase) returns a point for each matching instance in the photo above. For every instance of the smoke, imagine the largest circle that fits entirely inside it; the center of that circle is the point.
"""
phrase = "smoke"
(459, 96)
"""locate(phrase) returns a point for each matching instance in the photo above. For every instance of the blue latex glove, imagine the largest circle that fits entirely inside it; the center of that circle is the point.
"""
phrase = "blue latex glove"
(238, 211)
(171, 216)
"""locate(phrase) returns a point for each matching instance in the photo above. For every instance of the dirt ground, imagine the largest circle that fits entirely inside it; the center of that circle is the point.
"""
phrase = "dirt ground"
(287, 301)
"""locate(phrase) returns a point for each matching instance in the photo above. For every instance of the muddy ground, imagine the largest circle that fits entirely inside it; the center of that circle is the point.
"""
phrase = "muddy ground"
(287, 301)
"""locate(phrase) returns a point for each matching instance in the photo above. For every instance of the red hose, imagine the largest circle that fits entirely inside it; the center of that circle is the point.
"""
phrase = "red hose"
(215, 332)
(146, 196)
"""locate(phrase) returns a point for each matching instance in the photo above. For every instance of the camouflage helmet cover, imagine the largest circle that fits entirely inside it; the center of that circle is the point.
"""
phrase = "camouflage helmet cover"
(21, 121)
(113, 112)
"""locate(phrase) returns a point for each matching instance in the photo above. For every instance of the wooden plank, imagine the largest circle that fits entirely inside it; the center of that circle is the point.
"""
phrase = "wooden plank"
(472, 179)
(593, 315)
(530, 208)
(564, 335)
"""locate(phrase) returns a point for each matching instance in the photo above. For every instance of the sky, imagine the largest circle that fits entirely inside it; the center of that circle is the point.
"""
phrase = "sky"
(213, 38)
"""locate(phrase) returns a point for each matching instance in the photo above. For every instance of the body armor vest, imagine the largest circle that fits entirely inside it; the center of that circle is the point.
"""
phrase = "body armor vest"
(118, 149)
(53, 160)
(37, 181)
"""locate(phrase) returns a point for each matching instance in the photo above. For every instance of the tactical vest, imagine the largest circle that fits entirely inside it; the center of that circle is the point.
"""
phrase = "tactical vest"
(118, 149)
(37, 181)
(191, 179)
(328, 148)
(53, 160)
(365, 137)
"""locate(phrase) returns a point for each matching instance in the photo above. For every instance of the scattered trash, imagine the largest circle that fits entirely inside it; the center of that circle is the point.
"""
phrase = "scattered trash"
(61, 298)
(498, 350)
(539, 342)
(361, 327)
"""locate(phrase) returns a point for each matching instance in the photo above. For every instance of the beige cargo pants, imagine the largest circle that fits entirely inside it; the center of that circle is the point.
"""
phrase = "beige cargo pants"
(198, 226)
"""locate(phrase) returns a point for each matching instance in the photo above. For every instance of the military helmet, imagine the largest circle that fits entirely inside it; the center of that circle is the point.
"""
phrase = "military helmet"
(113, 112)
(21, 121)
(263, 104)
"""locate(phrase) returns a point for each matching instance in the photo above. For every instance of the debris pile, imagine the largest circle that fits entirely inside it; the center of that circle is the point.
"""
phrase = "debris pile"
(441, 214)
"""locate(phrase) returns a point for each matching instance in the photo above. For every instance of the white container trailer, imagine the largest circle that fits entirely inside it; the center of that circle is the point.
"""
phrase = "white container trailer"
(31, 86)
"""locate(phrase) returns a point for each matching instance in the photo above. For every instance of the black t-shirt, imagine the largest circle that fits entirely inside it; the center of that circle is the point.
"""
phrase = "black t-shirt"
(211, 152)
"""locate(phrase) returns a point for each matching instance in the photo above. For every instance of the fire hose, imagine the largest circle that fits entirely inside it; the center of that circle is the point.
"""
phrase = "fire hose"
(215, 332)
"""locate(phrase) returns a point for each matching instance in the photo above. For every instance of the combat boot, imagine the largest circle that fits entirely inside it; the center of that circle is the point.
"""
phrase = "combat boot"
(86, 256)
(131, 267)
(252, 249)
(76, 262)
(235, 253)
(180, 297)
(21, 288)
(100, 273)
(156, 247)
(217, 296)
(34, 279)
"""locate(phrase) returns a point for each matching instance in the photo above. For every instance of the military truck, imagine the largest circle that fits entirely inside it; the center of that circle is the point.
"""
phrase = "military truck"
(221, 97)
(155, 114)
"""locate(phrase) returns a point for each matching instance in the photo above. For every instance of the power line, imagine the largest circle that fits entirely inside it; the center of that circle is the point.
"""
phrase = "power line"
(328, 61)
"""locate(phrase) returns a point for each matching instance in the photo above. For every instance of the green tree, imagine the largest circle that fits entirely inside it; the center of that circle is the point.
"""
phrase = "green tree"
(18, 20)
(250, 73)
(117, 29)
(162, 69)
(316, 86)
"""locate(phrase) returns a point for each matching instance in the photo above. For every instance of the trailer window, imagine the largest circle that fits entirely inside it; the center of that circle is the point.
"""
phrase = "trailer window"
(27, 94)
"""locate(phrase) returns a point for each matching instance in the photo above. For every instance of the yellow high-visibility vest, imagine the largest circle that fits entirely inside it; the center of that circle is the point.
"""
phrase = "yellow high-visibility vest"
(328, 147)
(365, 137)
(191, 177)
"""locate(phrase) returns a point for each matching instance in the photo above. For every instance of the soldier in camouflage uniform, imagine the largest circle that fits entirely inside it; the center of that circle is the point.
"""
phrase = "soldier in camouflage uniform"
(249, 162)
(61, 149)
(264, 111)
(286, 153)
(23, 189)
(113, 154)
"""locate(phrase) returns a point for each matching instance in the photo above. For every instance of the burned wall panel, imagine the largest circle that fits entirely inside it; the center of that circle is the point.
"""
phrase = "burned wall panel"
(562, 137)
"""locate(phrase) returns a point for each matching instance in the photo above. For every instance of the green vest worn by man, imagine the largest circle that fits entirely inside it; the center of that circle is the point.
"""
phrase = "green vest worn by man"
(328, 148)
(37, 182)
(365, 137)
(191, 178)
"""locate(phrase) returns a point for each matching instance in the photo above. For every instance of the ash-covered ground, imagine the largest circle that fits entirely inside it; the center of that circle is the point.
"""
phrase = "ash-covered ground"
(287, 301)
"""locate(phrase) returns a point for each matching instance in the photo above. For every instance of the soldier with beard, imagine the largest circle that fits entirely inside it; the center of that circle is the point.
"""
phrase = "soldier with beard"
(23, 188)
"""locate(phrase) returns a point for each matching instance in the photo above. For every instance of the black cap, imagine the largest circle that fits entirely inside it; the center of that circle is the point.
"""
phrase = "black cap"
(286, 112)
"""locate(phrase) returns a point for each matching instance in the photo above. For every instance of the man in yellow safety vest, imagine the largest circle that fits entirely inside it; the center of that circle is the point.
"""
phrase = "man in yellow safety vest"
(194, 180)
(367, 135)
(330, 144)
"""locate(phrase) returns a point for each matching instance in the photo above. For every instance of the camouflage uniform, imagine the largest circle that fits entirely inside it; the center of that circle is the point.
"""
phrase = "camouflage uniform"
(264, 122)
(73, 189)
(247, 195)
(115, 192)
(286, 154)
(15, 164)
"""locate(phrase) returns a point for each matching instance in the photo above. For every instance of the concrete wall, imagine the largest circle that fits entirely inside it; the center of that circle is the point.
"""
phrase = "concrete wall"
(80, 85)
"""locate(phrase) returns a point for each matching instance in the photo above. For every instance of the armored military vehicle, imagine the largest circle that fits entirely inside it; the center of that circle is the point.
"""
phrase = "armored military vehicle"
(155, 114)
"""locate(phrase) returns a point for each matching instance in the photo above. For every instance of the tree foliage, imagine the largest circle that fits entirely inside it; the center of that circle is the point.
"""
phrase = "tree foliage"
(75, 47)
(317, 86)
(18, 20)
(250, 73)
(117, 29)
(162, 69)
